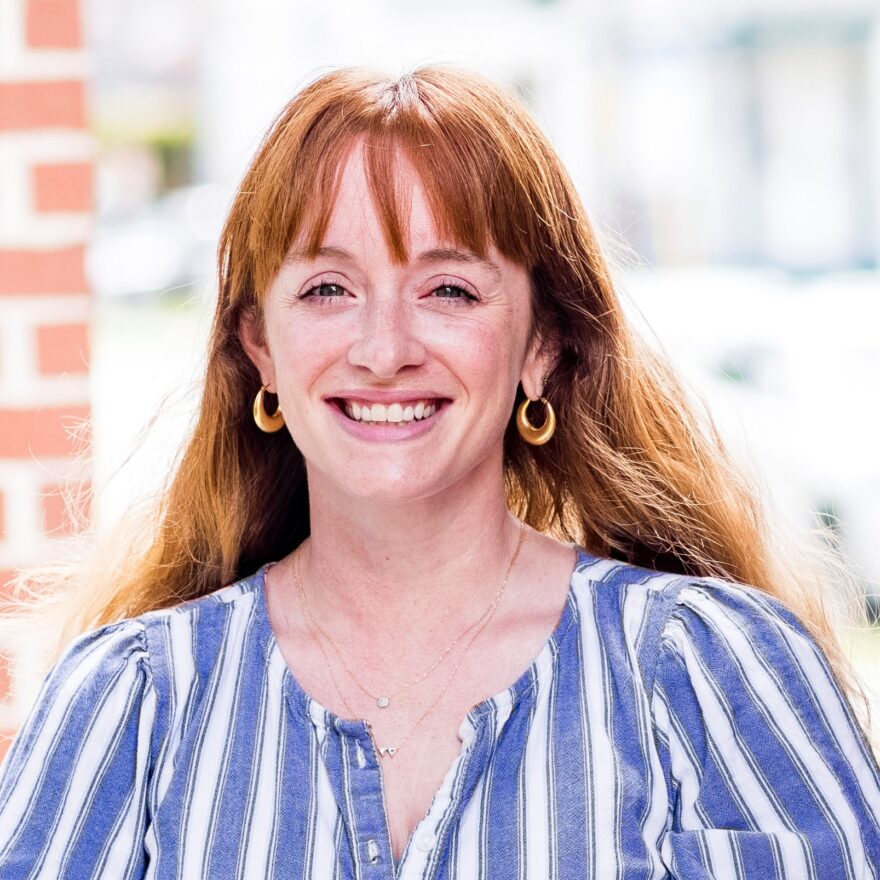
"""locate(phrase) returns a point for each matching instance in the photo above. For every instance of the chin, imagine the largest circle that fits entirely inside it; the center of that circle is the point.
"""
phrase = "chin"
(388, 492)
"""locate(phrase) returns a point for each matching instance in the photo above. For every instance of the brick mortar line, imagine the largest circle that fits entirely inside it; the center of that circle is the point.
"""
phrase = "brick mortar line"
(28, 472)
(70, 144)
(48, 231)
(45, 308)
(47, 392)
(46, 65)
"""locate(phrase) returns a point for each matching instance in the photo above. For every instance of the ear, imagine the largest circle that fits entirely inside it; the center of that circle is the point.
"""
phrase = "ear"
(253, 340)
(540, 361)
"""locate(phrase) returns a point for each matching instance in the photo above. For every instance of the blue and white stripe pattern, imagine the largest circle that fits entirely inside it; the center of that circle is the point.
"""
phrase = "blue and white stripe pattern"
(670, 727)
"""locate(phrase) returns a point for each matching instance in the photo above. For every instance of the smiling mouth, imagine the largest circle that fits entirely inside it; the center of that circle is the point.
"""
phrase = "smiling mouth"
(393, 414)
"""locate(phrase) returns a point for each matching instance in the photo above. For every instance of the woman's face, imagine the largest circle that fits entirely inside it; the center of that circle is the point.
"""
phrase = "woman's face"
(353, 328)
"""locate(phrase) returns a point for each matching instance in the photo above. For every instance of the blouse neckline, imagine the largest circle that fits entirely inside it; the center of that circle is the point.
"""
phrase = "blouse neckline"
(522, 688)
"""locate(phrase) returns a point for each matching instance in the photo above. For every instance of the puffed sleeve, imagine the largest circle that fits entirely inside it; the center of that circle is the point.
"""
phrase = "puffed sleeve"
(73, 784)
(767, 772)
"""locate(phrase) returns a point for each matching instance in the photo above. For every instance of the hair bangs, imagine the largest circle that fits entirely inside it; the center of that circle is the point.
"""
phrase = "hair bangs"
(474, 196)
(460, 209)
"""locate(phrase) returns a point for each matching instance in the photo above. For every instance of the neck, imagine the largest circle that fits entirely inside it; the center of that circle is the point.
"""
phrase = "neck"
(406, 574)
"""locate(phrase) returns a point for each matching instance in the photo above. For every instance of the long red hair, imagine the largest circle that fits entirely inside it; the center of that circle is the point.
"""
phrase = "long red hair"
(635, 470)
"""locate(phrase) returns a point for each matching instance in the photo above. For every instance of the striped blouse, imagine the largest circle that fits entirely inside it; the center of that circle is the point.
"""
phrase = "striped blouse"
(669, 727)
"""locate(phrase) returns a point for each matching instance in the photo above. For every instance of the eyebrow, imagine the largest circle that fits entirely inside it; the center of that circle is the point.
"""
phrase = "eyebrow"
(435, 255)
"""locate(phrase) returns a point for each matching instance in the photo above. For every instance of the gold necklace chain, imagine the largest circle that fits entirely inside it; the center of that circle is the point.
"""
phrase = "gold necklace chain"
(390, 751)
(384, 700)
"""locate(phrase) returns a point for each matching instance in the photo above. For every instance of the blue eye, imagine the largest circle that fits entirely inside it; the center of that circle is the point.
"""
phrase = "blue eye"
(316, 291)
(329, 290)
(455, 288)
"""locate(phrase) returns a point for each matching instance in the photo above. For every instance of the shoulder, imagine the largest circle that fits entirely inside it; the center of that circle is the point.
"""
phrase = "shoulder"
(139, 638)
(101, 683)
(162, 657)
(739, 629)
(223, 600)
(123, 641)
(627, 607)
(662, 617)
(755, 735)
(612, 584)
(198, 622)
(95, 667)
(194, 643)
(105, 658)
(736, 662)
(153, 649)
(615, 583)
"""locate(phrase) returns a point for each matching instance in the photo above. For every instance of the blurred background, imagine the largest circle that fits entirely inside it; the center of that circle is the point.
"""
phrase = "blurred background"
(728, 154)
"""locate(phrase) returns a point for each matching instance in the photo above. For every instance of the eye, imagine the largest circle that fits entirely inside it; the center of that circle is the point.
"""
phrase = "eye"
(455, 292)
(324, 292)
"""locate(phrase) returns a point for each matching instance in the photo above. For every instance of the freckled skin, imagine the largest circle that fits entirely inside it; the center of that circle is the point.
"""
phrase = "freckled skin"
(387, 329)
(409, 540)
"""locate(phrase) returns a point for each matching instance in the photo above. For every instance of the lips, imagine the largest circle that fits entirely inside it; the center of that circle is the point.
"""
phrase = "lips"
(384, 431)
(403, 401)
(385, 396)
(390, 413)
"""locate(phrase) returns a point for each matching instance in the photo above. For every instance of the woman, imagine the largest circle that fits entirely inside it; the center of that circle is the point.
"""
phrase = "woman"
(426, 633)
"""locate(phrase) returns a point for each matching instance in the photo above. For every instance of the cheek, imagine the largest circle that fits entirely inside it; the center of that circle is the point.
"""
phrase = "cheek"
(481, 353)
(297, 357)
(490, 351)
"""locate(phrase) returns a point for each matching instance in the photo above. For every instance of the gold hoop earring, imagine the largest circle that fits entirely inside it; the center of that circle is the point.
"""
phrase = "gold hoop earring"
(266, 422)
(531, 434)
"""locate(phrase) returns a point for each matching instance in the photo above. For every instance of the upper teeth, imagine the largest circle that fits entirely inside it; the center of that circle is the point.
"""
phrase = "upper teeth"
(395, 412)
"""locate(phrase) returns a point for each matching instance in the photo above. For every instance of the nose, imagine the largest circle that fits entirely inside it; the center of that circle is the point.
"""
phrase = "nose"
(387, 339)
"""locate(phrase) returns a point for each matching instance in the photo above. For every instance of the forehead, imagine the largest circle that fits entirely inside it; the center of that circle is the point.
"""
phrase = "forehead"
(355, 224)
(363, 209)
(372, 189)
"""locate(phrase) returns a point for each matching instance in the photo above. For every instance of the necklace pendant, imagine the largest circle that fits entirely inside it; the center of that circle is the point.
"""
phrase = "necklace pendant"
(387, 750)
(382, 702)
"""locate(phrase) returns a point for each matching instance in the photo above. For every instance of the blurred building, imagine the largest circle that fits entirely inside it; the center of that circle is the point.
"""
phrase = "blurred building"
(744, 133)
(751, 133)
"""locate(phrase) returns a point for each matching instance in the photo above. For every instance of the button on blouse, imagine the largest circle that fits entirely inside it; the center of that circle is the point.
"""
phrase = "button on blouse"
(670, 727)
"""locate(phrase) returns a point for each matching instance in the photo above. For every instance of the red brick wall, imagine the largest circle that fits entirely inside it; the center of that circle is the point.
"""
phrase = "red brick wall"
(46, 155)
